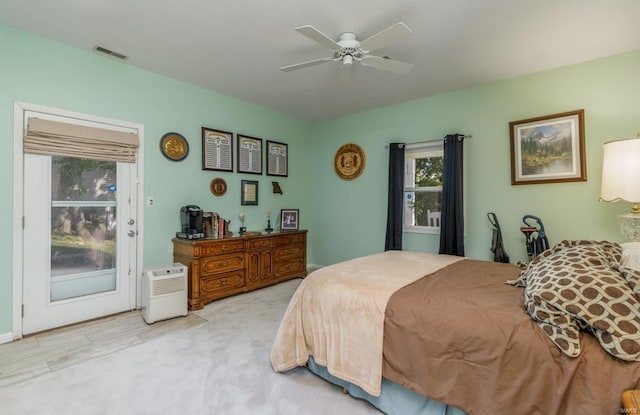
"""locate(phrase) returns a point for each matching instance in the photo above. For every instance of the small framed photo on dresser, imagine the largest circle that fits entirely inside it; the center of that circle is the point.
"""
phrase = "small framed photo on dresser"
(289, 219)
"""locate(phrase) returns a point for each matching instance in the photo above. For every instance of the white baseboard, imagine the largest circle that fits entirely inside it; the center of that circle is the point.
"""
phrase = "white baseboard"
(313, 267)
(6, 338)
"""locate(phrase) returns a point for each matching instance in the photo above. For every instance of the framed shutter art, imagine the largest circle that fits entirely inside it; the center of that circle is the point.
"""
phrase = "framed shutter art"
(249, 154)
(217, 150)
(277, 159)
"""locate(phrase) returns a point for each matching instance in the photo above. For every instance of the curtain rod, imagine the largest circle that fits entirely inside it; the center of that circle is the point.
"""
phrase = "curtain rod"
(464, 136)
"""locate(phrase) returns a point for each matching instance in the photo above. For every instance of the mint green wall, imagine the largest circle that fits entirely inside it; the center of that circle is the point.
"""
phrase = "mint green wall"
(42, 72)
(345, 218)
(352, 217)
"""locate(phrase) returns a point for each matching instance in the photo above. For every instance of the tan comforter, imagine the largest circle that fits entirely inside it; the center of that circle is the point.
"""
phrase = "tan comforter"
(462, 336)
(337, 315)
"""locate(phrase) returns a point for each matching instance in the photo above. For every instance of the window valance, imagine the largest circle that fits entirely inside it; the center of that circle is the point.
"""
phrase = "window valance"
(71, 140)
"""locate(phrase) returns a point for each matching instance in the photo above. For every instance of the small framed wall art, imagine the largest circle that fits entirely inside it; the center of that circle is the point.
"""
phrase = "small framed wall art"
(277, 159)
(289, 219)
(249, 192)
(217, 150)
(249, 154)
(548, 149)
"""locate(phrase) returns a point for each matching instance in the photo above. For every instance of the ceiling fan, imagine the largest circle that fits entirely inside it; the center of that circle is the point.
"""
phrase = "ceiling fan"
(348, 49)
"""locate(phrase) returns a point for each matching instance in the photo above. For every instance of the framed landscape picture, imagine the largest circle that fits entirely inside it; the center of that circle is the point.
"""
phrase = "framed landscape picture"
(548, 149)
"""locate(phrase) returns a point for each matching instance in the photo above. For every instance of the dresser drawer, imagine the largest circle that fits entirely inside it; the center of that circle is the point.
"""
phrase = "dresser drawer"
(294, 238)
(210, 286)
(222, 263)
(284, 253)
(259, 243)
(221, 247)
(292, 267)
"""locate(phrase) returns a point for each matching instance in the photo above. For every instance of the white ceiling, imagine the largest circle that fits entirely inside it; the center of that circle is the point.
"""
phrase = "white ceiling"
(236, 47)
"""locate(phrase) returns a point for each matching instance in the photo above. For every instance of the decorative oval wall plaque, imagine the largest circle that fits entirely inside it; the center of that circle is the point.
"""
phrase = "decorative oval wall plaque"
(218, 186)
(174, 146)
(349, 161)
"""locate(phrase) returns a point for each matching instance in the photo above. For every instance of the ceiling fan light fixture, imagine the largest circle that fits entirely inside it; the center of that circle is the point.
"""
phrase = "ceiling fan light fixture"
(348, 49)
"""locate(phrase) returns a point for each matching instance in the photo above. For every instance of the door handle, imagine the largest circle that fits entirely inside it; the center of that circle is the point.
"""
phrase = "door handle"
(131, 234)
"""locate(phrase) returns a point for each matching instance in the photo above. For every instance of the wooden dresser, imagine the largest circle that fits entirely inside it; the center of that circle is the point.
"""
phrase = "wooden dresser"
(223, 267)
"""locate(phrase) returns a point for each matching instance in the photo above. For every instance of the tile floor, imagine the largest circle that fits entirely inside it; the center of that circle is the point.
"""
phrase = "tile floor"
(55, 349)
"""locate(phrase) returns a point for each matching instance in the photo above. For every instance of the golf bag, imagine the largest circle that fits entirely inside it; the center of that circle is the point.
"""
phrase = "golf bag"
(497, 247)
(535, 236)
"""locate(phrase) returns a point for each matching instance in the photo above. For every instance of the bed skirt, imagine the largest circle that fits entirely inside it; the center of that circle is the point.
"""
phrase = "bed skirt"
(394, 399)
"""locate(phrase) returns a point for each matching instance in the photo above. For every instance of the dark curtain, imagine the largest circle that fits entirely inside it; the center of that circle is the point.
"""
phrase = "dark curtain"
(393, 239)
(452, 217)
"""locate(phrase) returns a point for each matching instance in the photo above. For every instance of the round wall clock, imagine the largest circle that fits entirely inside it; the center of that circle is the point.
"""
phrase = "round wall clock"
(349, 161)
(174, 146)
(218, 186)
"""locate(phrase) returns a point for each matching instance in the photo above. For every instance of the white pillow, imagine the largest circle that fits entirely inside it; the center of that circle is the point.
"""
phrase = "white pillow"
(631, 255)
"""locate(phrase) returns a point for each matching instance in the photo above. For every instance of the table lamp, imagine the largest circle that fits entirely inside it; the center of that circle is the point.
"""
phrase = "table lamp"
(621, 181)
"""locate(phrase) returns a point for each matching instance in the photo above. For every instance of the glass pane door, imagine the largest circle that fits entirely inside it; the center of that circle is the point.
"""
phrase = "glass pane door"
(79, 240)
(83, 227)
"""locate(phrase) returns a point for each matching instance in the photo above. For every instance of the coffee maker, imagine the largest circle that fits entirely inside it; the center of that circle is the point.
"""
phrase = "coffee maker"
(191, 223)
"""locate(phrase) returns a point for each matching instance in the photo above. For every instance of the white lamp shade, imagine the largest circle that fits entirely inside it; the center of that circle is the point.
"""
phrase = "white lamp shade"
(621, 171)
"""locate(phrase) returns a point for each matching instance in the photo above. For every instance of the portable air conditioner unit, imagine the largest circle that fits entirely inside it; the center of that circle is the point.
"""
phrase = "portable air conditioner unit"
(164, 293)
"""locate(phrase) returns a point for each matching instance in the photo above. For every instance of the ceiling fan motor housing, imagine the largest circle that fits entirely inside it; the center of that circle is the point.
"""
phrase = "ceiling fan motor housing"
(349, 50)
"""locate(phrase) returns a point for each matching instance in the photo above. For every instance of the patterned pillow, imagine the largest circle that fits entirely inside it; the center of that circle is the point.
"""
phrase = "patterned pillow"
(580, 285)
(521, 281)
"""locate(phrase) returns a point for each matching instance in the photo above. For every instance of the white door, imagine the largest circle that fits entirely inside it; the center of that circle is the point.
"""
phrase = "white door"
(79, 240)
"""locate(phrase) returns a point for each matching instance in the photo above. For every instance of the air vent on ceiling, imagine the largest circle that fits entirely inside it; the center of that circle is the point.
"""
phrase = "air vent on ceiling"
(110, 52)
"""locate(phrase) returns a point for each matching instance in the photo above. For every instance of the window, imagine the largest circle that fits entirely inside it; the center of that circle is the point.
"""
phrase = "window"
(423, 170)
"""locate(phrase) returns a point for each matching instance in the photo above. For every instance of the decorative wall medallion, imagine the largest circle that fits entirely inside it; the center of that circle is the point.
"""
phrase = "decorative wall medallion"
(218, 186)
(349, 161)
(174, 146)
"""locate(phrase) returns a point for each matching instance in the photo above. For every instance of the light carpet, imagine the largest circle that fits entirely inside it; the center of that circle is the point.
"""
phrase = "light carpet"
(219, 367)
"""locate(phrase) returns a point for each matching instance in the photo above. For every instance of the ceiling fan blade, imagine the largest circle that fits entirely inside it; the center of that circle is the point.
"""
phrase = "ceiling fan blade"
(305, 64)
(392, 34)
(317, 36)
(389, 65)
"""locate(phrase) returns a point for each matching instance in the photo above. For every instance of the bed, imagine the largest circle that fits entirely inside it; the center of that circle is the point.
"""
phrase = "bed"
(450, 331)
